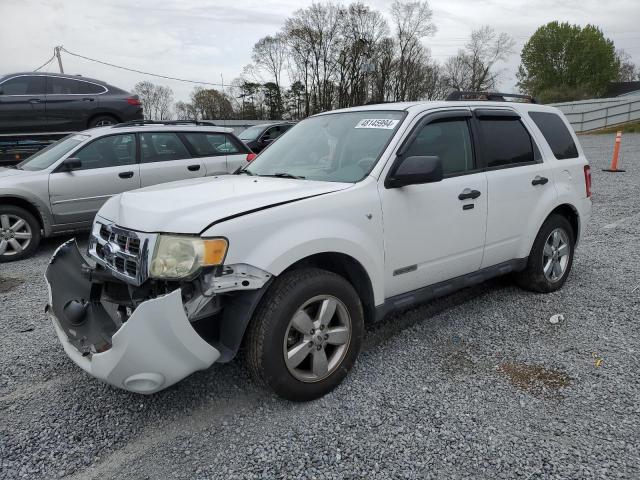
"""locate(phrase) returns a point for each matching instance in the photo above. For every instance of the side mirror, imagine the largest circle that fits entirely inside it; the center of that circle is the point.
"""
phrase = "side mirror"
(70, 164)
(414, 171)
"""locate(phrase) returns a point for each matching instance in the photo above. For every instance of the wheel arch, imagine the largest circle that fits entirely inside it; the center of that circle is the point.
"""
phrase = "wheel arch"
(350, 269)
(570, 212)
(30, 207)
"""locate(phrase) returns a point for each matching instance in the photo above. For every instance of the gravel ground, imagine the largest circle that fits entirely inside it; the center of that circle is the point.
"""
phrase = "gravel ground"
(479, 384)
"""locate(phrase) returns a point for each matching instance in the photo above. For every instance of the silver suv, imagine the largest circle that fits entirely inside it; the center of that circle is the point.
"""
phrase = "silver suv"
(60, 189)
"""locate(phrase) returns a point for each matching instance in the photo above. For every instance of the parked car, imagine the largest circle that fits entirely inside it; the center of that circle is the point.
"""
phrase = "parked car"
(60, 189)
(43, 103)
(351, 215)
(258, 137)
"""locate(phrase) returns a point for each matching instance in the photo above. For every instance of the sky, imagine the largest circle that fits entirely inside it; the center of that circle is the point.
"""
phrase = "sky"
(211, 40)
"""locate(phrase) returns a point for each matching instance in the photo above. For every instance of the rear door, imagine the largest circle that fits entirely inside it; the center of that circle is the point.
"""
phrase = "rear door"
(70, 103)
(219, 151)
(165, 158)
(518, 183)
(22, 104)
(108, 167)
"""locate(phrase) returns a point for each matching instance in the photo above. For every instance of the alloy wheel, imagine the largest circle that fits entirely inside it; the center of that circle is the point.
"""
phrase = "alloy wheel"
(15, 234)
(555, 255)
(317, 338)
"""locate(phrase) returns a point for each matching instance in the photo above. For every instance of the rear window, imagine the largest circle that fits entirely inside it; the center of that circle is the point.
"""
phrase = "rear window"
(211, 144)
(506, 142)
(556, 134)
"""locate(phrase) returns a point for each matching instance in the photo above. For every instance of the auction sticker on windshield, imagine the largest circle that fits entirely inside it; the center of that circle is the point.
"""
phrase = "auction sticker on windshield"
(385, 123)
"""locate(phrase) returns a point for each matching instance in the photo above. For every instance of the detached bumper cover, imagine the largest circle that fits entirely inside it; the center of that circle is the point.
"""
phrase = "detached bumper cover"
(155, 348)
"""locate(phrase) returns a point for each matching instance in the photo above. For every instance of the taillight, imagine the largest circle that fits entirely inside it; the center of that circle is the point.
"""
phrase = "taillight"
(587, 179)
(134, 101)
(251, 156)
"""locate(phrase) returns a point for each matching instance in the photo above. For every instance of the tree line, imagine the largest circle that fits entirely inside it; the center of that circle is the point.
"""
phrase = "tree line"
(329, 56)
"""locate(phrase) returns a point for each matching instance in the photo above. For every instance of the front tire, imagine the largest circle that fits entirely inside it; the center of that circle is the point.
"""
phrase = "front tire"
(19, 233)
(551, 257)
(306, 334)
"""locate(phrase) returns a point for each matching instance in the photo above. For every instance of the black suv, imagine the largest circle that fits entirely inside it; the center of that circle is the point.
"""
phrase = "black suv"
(39, 102)
(259, 136)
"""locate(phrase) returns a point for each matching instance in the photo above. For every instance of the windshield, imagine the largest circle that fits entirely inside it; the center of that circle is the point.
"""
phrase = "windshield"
(337, 147)
(251, 133)
(48, 156)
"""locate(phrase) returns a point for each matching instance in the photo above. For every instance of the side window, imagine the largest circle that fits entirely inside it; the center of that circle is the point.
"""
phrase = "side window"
(272, 133)
(25, 85)
(211, 144)
(162, 147)
(63, 86)
(448, 139)
(87, 88)
(556, 134)
(111, 151)
(505, 142)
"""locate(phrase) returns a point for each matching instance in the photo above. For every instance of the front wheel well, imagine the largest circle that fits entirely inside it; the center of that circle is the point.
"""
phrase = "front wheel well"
(571, 214)
(348, 268)
(22, 203)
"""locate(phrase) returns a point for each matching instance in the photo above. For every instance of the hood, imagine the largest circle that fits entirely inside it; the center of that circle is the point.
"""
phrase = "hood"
(12, 172)
(189, 206)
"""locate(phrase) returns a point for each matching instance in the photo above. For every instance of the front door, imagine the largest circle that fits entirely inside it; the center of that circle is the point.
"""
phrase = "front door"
(165, 158)
(108, 167)
(22, 104)
(431, 232)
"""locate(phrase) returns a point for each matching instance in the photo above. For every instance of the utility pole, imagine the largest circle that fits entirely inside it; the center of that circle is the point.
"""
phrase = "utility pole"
(57, 53)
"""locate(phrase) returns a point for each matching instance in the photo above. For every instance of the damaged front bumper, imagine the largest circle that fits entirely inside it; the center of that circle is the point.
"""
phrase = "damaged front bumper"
(155, 347)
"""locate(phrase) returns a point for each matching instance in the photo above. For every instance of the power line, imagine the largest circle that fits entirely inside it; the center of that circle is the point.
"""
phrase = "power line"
(45, 63)
(139, 71)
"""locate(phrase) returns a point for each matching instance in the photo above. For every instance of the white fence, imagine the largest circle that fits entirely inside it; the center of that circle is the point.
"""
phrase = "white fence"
(587, 115)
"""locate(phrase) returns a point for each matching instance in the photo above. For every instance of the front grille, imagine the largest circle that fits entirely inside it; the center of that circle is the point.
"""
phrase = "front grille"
(124, 252)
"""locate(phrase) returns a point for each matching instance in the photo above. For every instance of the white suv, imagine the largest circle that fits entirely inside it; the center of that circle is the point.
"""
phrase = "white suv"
(351, 215)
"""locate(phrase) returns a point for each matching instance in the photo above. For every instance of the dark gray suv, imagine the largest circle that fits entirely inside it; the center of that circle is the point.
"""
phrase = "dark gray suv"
(48, 103)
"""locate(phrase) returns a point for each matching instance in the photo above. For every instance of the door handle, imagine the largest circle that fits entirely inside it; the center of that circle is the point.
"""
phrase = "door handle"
(35, 100)
(539, 180)
(125, 174)
(193, 168)
(468, 193)
(88, 99)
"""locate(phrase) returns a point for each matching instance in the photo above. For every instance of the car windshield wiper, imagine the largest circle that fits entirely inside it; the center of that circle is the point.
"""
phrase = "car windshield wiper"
(246, 172)
(285, 175)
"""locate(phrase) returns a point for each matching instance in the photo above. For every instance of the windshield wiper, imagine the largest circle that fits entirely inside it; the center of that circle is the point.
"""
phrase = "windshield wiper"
(246, 172)
(285, 175)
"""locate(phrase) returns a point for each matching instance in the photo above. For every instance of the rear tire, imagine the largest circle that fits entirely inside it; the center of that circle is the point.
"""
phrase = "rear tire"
(551, 257)
(306, 334)
(19, 233)
(103, 121)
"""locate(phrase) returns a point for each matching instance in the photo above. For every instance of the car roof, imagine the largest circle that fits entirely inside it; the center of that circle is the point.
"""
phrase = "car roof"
(154, 127)
(61, 75)
(433, 104)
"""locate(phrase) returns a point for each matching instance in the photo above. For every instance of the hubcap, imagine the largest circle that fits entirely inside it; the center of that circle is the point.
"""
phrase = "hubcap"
(104, 123)
(317, 338)
(555, 256)
(15, 234)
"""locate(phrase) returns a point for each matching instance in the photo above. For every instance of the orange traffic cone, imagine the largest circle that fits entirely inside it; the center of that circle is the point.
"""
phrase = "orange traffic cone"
(616, 152)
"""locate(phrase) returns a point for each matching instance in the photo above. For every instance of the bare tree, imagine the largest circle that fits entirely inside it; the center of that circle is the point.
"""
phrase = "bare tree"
(474, 67)
(157, 100)
(412, 21)
(627, 72)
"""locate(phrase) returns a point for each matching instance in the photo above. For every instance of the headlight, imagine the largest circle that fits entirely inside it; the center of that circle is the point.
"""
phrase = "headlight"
(177, 257)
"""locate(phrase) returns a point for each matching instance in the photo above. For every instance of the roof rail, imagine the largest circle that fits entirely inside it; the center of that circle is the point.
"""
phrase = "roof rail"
(488, 96)
(134, 123)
